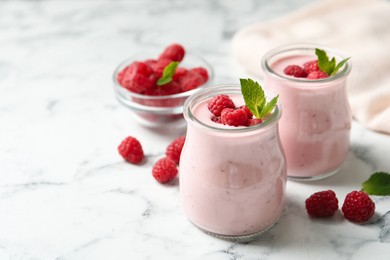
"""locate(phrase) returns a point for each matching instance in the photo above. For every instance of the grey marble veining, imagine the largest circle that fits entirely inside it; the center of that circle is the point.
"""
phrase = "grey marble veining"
(66, 194)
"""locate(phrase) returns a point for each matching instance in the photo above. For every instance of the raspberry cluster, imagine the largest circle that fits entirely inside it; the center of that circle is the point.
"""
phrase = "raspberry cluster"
(309, 70)
(165, 169)
(225, 112)
(357, 207)
(141, 76)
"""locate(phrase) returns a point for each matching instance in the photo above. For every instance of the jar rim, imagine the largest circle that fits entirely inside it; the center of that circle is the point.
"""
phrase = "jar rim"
(305, 47)
(227, 89)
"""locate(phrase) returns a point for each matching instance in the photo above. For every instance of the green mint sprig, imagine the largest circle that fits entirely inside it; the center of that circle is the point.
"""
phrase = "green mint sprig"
(377, 184)
(168, 73)
(255, 99)
(326, 65)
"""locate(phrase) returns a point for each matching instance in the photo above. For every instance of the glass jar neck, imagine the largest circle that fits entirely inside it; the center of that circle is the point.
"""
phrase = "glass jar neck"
(278, 53)
(233, 89)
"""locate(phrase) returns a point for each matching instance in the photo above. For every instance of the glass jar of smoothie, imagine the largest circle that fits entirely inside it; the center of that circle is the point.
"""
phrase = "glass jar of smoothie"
(232, 179)
(316, 122)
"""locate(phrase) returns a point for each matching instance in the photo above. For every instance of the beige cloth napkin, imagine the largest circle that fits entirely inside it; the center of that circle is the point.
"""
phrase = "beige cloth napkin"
(360, 28)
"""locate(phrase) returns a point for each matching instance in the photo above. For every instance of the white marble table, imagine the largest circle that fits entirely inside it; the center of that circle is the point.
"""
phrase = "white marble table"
(65, 193)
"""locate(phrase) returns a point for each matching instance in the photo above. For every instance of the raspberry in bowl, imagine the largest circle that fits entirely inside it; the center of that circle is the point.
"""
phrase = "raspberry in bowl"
(155, 84)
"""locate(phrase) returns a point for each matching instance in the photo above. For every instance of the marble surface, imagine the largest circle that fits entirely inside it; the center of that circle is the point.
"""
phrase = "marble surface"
(65, 193)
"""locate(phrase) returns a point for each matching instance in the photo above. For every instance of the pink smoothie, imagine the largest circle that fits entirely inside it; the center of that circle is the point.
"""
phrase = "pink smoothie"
(316, 120)
(232, 180)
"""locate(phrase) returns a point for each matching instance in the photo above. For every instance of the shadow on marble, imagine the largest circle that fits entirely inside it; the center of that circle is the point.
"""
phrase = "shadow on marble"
(353, 172)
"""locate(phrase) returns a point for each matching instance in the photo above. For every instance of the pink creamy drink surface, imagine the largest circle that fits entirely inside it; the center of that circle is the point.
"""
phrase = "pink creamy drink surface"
(231, 183)
(316, 120)
(282, 63)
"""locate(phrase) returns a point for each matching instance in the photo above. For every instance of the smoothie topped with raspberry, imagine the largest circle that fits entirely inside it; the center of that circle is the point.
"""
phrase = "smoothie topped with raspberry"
(309, 67)
(316, 122)
(232, 173)
(249, 109)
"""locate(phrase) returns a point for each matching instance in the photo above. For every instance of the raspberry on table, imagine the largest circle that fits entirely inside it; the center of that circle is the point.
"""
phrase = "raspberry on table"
(218, 103)
(234, 117)
(318, 74)
(164, 170)
(131, 150)
(174, 149)
(173, 52)
(322, 204)
(311, 66)
(296, 71)
(358, 207)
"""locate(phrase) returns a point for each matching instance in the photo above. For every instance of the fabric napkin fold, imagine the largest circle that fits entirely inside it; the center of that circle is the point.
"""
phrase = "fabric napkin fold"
(360, 28)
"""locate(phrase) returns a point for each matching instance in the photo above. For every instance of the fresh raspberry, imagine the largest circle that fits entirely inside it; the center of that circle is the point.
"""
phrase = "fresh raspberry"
(174, 52)
(218, 103)
(296, 71)
(253, 121)
(166, 89)
(159, 66)
(131, 150)
(358, 207)
(322, 204)
(137, 77)
(311, 66)
(170, 88)
(179, 73)
(234, 117)
(140, 83)
(318, 74)
(139, 67)
(202, 72)
(174, 149)
(164, 170)
(150, 62)
(191, 80)
(216, 119)
(247, 111)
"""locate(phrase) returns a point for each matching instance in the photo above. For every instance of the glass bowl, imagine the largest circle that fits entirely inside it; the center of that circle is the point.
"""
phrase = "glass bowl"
(158, 111)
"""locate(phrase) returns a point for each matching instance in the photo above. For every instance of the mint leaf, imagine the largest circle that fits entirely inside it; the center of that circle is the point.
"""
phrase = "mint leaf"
(332, 65)
(269, 106)
(326, 65)
(377, 184)
(323, 60)
(339, 66)
(168, 73)
(253, 95)
(255, 99)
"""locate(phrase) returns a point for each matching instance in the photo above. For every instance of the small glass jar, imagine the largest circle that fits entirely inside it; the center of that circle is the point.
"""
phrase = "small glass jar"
(232, 179)
(316, 123)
